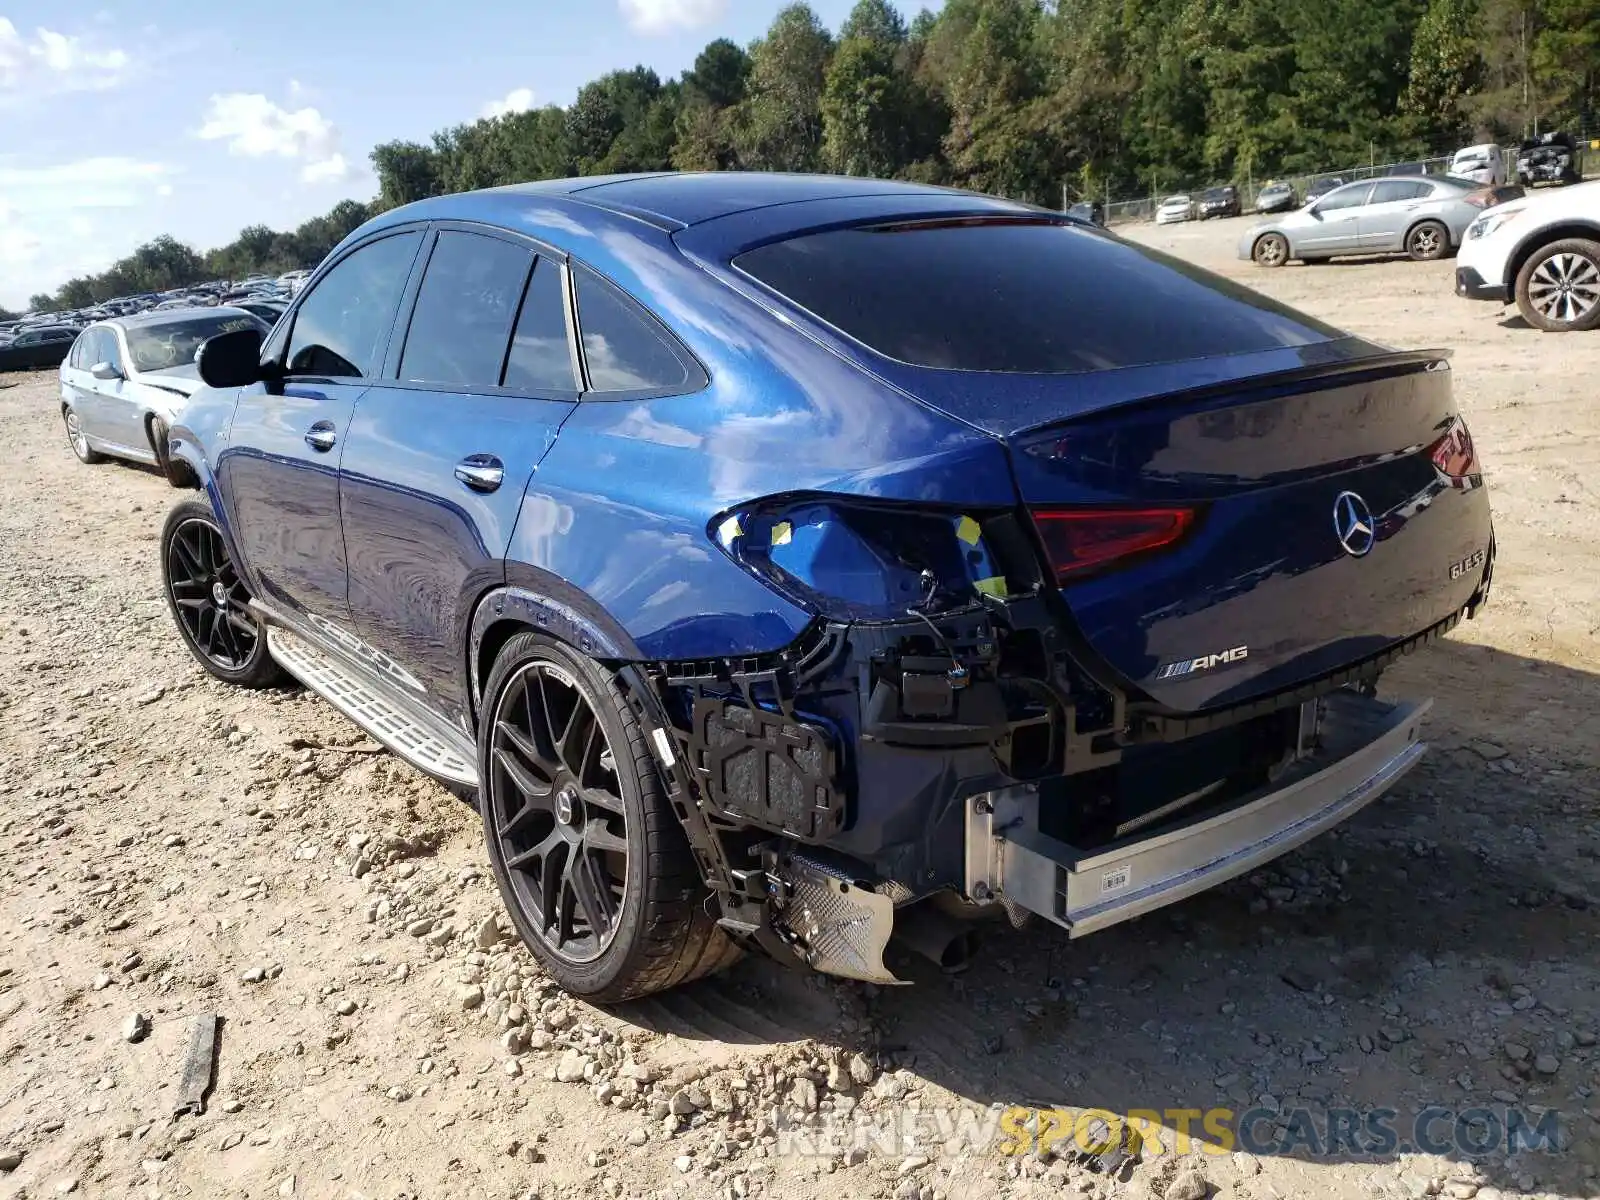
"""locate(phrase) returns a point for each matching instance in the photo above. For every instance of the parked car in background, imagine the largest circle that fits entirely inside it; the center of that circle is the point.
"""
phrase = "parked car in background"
(1319, 188)
(783, 560)
(1485, 164)
(1174, 209)
(1091, 211)
(125, 379)
(1543, 254)
(1276, 197)
(36, 347)
(1219, 202)
(1424, 218)
(1549, 158)
(268, 310)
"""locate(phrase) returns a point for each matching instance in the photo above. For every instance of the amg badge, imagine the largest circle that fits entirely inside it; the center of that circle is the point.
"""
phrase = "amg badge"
(1189, 666)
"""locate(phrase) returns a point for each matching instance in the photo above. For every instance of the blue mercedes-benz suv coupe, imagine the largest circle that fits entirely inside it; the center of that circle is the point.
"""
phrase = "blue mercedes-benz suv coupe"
(789, 562)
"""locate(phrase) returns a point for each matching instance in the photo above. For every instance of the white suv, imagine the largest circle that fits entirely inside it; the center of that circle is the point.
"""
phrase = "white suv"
(1543, 252)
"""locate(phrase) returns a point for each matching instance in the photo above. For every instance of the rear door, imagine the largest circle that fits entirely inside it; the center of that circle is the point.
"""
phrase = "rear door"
(1390, 211)
(280, 470)
(1333, 227)
(76, 381)
(480, 378)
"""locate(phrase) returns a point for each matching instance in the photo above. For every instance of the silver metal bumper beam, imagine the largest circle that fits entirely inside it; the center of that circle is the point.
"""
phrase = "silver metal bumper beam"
(1366, 747)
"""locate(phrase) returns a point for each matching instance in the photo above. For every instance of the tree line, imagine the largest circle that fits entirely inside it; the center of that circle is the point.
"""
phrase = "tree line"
(1034, 99)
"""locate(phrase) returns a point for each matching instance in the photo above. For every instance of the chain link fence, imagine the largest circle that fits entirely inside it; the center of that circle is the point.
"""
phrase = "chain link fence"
(1144, 209)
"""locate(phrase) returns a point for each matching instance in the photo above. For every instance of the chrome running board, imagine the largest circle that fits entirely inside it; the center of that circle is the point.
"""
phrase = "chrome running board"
(423, 740)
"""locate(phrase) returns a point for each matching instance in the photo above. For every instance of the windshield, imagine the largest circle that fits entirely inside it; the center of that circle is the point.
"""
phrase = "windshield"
(173, 343)
(1177, 200)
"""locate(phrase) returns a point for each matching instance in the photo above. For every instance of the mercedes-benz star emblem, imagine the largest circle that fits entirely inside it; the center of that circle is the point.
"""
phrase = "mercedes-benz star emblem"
(220, 595)
(1353, 525)
(564, 800)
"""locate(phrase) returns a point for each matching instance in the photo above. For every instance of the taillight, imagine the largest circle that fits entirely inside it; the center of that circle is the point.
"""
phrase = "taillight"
(1080, 540)
(1453, 453)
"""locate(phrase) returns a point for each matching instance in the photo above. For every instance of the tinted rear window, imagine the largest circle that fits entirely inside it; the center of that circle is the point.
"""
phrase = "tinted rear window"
(1021, 296)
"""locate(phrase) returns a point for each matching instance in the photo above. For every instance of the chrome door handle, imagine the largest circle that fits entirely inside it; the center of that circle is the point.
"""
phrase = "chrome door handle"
(322, 436)
(481, 472)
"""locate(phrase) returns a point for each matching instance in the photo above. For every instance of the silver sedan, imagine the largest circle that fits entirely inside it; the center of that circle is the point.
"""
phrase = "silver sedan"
(124, 380)
(1424, 218)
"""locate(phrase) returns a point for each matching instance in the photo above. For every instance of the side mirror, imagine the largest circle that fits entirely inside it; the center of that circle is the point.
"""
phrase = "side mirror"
(231, 360)
(105, 371)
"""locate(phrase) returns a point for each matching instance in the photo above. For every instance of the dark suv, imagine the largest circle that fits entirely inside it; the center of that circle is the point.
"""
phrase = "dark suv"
(1219, 202)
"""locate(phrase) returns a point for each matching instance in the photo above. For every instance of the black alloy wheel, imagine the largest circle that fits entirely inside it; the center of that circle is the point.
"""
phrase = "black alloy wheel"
(558, 811)
(210, 602)
(592, 861)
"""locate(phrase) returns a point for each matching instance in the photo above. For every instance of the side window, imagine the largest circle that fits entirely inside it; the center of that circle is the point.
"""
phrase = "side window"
(622, 350)
(1393, 191)
(1353, 196)
(462, 322)
(339, 330)
(541, 360)
(109, 350)
(75, 358)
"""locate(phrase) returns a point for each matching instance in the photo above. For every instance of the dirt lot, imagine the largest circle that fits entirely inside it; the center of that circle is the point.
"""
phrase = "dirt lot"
(169, 847)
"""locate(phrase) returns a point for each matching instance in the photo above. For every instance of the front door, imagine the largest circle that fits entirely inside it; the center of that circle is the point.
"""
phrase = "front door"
(1333, 227)
(279, 473)
(438, 457)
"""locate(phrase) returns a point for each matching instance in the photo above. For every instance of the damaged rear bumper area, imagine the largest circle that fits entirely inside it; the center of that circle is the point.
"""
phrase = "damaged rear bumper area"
(1363, 747)
(968, 758)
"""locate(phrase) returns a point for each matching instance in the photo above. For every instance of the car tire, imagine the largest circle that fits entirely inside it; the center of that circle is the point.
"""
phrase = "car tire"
(77, 439)
(1428, 241)
(217, 626)
(542, 796)
(1270, 250)
(177, 472)
(1558, 288)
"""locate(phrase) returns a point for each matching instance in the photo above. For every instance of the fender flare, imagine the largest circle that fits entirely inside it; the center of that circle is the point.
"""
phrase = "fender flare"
(553, 607)
(185, 448)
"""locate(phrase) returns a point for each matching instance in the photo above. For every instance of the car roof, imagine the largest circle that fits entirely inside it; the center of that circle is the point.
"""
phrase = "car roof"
(669, 201)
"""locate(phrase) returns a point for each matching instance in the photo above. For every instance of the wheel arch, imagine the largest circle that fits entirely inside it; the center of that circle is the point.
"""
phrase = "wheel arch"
(532, 600)
(1539, 239)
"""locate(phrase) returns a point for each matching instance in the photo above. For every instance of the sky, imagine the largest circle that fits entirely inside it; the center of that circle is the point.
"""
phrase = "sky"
(196, 118)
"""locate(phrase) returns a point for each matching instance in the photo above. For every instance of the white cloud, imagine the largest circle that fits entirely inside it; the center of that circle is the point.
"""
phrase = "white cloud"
(515, 101)
(255, 127)
(665, 16)
(51, 62)
(54, 223)
(330, 170)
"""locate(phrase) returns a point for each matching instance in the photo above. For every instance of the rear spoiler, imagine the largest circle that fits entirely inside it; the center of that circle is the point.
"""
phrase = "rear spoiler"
(1391, 362)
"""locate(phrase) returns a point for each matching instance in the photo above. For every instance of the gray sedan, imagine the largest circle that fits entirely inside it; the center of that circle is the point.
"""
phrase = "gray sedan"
(124, 380)
(1424, 218)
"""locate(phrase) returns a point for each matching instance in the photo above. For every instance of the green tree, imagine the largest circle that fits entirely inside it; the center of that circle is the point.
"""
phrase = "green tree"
(615, 108)
(1566, 56)
(719, 75)
(876, 21)
(41, 302)
(780, 125)
(1446, 68)
(407, 171)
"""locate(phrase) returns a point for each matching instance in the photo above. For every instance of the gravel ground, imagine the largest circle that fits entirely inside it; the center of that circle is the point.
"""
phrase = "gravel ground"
(170, 847)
